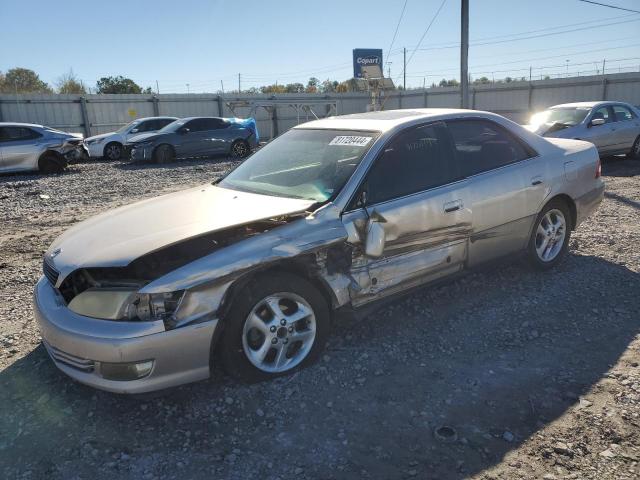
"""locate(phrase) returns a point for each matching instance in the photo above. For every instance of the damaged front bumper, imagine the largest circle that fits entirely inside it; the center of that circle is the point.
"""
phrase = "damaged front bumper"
(93, 351)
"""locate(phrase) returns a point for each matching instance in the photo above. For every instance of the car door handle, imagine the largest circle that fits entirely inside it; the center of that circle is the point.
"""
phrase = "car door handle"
(537, 180)
(452, 206)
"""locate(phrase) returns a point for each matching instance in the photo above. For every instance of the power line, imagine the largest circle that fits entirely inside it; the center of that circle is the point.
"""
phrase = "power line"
(397, 27)
(610, 6)
(423, 35)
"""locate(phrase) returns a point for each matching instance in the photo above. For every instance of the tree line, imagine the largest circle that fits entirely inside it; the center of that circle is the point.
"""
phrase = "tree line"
(24, 80)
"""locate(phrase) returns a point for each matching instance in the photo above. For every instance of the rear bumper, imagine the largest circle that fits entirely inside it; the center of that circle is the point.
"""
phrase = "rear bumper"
(180, 356)
(588, 203)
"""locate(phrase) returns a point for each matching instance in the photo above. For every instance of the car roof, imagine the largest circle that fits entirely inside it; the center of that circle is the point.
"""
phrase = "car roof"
(385, 120)
(588, 104)
(196, 118)
(18, 124)
(155, 118)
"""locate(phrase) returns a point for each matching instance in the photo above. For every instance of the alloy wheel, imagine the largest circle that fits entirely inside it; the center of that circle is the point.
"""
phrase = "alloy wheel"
(550, 235)
(239, 149)
(279, 332)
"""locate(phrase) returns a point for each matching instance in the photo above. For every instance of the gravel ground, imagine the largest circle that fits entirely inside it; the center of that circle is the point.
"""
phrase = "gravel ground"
(532, 375)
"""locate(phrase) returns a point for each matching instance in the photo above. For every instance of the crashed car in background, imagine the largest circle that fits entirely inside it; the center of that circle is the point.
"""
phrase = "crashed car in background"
(196, 137)
(25, 146)
(334, 214)
(111, 145)
(613, 127)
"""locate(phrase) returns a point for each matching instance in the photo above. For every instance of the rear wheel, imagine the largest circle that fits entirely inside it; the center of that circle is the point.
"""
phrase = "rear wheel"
(635, 150)
(164, 154)
(112, 151)
(51, 163)
(240, 149)
(550, 237)
(278, 325)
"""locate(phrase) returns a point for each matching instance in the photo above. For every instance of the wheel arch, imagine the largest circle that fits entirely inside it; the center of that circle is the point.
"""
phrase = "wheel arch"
(570, 203)
(49, 152)
(173, 149)
(111, 142)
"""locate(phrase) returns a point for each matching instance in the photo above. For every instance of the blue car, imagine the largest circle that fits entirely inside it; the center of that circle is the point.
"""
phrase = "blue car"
(196, 137)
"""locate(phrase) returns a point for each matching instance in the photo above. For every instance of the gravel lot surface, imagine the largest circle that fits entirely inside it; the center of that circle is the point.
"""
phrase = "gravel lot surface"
(532, 375)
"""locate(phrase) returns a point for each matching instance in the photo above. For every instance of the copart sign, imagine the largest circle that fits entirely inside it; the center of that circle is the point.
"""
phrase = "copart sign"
(365, 57)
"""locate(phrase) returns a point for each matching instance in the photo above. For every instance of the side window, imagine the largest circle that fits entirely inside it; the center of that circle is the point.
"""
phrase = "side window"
(602, 112)
(622, 114)
(416, 160)
(142, 127)
(163, 122)
(9, 134)
(201, 124)
(482, 145)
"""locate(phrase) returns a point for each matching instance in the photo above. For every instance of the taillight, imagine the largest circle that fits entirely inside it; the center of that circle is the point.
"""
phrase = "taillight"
(598, 169)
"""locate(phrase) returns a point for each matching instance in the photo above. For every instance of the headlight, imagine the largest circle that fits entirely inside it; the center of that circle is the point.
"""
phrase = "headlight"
(153, 306)
(126, 304)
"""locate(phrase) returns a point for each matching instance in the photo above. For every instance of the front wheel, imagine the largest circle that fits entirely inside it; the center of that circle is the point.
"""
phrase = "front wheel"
(163, 154)
(278, 325)
(113, 151)
(635, 150)
(550, 237)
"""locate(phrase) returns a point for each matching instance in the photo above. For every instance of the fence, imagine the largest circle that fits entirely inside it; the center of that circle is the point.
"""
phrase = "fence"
(94, 114)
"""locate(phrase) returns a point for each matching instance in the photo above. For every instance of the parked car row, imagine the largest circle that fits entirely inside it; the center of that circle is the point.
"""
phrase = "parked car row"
(26, 147)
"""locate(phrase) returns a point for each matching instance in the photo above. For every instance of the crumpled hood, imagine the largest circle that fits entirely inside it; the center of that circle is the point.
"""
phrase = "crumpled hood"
(117, 237)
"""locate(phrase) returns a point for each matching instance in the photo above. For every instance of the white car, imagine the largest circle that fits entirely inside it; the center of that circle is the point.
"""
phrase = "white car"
(110, 145)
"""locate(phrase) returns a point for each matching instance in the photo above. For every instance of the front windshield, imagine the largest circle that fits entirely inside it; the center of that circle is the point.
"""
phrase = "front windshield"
(566, 116)
(302, 163)
(127, 126)
(172, 127)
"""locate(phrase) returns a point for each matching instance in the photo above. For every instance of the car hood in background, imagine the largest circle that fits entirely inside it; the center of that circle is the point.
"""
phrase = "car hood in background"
(145, 137)
(98, 137)
(119, 236)
(548, 129)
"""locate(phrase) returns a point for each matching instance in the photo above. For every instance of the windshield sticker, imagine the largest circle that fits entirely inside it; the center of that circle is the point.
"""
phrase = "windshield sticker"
(350, 141)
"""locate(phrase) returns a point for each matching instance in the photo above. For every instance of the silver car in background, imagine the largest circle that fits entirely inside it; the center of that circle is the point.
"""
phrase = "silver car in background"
(334, 214)
(25, 146)
(613, 127)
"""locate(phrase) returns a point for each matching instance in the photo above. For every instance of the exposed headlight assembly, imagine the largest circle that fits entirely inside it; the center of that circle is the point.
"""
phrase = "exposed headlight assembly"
(126, 304)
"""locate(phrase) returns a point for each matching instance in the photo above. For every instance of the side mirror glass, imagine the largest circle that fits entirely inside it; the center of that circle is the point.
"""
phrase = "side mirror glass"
(374, 243)
(597, 121)
(361, 200)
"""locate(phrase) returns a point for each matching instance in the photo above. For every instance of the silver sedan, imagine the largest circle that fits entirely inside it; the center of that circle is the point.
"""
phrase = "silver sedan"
(613, 127)
(25, 146)
(334, 214)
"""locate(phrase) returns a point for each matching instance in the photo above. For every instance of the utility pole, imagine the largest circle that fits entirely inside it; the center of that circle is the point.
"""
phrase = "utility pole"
(404, 70)
(464, 54)
(389, 69)
(604, 62)
(188, 89)
(157, 88)
(239, 89)
(222, 85)
(529, 74)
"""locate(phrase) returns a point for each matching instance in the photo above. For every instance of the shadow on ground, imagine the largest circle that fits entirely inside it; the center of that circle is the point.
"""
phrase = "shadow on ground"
(496, 356)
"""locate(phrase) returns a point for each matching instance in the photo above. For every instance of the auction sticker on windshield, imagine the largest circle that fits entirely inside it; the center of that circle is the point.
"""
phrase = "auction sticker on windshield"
(350, 140)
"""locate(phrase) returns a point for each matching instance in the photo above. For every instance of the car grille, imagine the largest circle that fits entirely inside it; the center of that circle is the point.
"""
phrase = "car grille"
(50, 272)
(72, 361)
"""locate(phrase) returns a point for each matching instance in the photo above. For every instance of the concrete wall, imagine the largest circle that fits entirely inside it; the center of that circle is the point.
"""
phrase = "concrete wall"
(93, 114)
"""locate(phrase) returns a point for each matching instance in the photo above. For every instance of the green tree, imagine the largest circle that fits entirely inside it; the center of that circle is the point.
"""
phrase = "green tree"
(312, 85)
(481, 81)
(70, 83)
(449, 83)
(23, 80)
(117, 84)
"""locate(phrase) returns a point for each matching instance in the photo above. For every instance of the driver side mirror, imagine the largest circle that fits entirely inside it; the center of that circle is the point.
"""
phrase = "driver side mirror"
(183, 130)
(134, 130)
(597, 121)
(375, 241)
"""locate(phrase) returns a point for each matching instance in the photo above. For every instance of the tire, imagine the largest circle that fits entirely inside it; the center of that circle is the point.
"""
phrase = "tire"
(550, 236)
(240, 149)
(112, 151)
(634, 154)
(51, 163)
(255, 333)
(164, 154)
